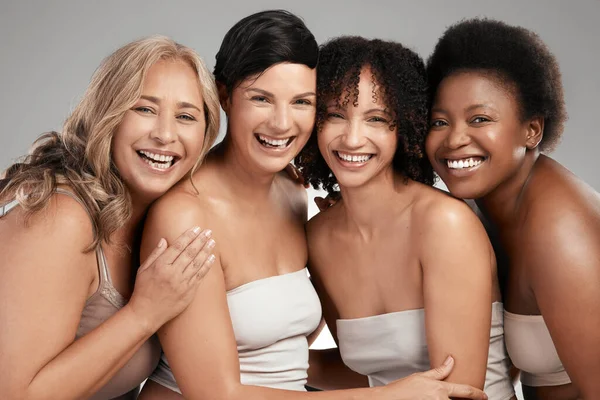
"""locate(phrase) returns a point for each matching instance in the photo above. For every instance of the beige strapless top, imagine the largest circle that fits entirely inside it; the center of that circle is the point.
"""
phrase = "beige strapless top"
(271, 319)
(391, 346)
(99, 307)
(532, 350)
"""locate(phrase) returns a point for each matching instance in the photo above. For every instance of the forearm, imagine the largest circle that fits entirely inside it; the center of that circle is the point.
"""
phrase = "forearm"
(327, 371)
(91, 361)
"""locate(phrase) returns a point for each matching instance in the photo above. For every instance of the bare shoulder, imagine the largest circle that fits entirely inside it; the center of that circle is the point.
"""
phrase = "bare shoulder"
(63, 221)
(561, 219)
(178, 210)
(436, 210)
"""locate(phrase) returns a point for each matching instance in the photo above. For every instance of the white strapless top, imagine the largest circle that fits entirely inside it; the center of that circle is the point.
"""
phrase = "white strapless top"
(271, 319)
(532, 350)
(391, 346)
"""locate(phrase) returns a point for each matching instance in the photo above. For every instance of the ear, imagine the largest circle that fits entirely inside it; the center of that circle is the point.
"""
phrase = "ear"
(535, 132)
(223, 96)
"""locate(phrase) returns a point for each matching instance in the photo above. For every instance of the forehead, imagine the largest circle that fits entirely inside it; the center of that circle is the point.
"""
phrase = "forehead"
(172, 77)
(282, 79)
(475, 87)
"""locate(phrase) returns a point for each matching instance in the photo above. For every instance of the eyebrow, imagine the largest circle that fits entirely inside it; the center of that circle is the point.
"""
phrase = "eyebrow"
(470, 108)
(381, 110)
(181, 104)
(266, 93)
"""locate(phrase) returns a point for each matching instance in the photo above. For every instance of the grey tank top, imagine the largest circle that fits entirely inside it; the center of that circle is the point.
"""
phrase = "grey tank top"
(99, 307)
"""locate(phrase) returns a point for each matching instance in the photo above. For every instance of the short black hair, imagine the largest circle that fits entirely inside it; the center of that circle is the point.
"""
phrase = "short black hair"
(401, 79)
(260, 41)
(514, 55)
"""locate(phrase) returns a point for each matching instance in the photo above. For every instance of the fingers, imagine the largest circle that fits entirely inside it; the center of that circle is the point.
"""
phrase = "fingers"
(464, 391)
(180, 245)
(201, 262)
(160, 248)
(440, 373)
(188, 255)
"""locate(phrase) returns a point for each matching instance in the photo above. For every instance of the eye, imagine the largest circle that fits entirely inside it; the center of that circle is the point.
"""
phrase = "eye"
(438, 123)
(144, 110)
(260, 99)
(186, 117)
(304, 102)
(377, 119)
(479, 120)
(334, 115)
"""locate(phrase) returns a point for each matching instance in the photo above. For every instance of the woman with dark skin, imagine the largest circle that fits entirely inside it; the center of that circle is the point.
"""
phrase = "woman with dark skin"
(395, 262)
(497, 108)
(245, 334)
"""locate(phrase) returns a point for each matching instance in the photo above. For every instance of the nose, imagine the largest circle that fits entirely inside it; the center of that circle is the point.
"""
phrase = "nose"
(353, 137)
(457, 137)
(281, 120)
(165, 129)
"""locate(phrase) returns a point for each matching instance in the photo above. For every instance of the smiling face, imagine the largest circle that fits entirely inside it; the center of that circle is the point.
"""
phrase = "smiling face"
(270, 118)
(477, 140)
(356, 141)
(160, 138)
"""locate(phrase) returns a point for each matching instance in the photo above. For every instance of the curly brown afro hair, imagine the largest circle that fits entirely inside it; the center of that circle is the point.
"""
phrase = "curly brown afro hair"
(401, 81)
(514, 55)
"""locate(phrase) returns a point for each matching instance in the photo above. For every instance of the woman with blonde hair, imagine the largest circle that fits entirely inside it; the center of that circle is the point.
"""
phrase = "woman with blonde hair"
(73, 326)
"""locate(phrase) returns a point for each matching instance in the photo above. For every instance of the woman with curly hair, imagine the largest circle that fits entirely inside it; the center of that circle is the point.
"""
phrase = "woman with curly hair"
(498, 106)
(73, 325)
(405, 272)
(245, 335)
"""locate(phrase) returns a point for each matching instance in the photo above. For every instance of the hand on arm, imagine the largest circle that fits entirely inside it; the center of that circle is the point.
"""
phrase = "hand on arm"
(44, 292)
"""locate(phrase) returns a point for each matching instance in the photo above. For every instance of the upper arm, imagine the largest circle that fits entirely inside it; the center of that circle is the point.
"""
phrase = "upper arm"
(45, 277)
(199, 343)
(564, 263)
(316, 253)
(457, 263)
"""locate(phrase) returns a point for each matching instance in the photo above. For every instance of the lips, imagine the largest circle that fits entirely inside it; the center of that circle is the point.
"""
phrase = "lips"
(158, 160)
(466, 162)
(273, 143)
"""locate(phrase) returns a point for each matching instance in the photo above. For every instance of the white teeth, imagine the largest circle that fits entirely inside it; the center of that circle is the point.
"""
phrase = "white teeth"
(274, 142)
(464, 163)
(354, 158)
(157, 157)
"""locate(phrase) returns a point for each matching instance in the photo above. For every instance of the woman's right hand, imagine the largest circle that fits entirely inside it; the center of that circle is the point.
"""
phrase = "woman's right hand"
(430, 386)
(167, 281)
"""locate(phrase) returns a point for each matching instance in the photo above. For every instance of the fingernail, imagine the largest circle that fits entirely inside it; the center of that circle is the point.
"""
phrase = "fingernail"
(448, 361)
(161, 243)
(196, 229)
(210, 244)
(207, 233)
(211, 259)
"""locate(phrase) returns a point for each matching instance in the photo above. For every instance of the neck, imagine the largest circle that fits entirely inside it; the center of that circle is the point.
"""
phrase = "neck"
(367, 208)
(502, 205)
(246, 182)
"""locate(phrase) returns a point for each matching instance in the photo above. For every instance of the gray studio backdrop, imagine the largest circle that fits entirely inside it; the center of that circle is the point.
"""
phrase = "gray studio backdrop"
(49, 50)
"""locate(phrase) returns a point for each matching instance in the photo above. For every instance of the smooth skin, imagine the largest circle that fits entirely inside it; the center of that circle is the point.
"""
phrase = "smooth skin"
(547, 219)
(391, 244)
(244, 195)
(43, 292)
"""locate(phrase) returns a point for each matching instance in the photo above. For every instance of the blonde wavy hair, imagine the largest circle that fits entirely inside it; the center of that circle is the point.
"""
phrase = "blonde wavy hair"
(80, 156)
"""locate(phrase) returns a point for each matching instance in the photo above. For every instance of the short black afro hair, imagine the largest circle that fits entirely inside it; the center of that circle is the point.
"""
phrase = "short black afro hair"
(402, 85)
(515, 55)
